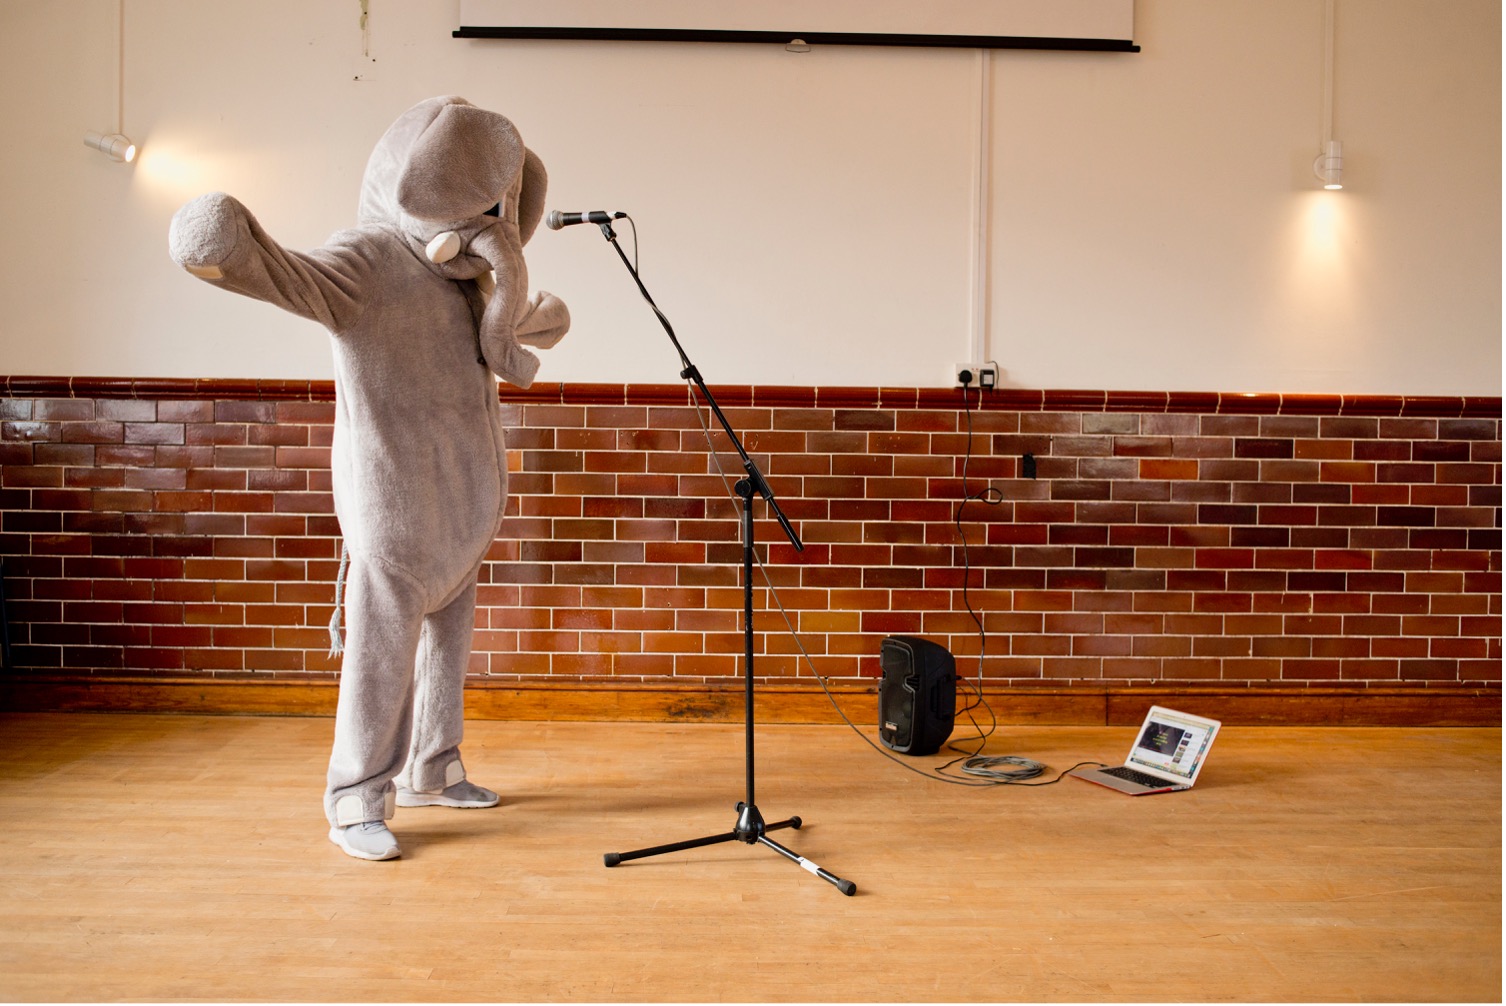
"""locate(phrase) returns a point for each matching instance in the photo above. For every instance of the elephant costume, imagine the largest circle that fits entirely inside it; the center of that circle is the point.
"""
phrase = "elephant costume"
(424, 301)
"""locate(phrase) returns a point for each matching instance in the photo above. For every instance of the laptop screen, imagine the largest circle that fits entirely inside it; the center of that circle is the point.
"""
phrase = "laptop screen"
(1169, 743)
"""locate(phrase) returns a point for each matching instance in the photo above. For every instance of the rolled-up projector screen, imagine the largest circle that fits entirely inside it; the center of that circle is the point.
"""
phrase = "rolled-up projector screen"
(1101, 25)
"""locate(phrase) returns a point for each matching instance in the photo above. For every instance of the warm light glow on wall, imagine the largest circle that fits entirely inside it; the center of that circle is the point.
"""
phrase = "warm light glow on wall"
(1316, 314)
(175, 168)
(166, 167)
(1322, 224)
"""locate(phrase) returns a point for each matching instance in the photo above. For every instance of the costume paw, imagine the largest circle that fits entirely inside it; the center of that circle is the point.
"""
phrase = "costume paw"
(204, 233)
(545, 322)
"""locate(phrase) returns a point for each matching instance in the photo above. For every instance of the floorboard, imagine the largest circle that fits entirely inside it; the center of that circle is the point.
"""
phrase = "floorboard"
(183, 858)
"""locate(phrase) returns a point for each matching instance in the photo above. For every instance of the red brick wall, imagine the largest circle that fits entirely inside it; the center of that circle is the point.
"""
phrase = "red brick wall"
(185, 528)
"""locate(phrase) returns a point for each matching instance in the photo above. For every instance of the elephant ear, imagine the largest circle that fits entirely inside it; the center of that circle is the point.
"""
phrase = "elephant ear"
(388, 158)
(461, 165)
(531, 199)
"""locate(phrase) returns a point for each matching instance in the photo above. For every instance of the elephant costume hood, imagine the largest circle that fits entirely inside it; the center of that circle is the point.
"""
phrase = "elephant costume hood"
(424, 300)
(443, 165)
(457, 182)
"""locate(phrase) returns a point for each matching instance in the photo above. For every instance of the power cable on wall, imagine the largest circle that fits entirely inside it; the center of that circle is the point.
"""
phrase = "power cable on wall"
(983, 770)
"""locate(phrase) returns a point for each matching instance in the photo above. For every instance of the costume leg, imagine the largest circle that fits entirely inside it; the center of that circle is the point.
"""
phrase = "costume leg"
(384, 613)
(444, 652)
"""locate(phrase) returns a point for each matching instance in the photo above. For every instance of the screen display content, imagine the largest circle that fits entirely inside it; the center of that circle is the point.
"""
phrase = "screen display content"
(1172, 747)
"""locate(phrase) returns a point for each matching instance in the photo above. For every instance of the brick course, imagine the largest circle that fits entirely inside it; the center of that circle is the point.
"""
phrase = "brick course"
(186, 528)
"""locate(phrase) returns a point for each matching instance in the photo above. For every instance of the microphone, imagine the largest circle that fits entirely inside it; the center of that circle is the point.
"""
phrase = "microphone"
(555, 220)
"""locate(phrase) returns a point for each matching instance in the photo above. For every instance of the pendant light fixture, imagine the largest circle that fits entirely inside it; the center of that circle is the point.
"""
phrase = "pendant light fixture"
(1329, 164)
(116, 146)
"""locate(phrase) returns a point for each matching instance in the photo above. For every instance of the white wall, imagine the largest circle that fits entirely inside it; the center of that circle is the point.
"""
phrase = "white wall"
(806, 218)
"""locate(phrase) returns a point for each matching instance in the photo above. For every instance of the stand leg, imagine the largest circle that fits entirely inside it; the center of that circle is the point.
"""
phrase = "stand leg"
(750, 829)
(613, 858)
(847, 887)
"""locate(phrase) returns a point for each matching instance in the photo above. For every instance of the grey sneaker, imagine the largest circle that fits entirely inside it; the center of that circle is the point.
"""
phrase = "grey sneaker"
(370, 840)
(463, 794)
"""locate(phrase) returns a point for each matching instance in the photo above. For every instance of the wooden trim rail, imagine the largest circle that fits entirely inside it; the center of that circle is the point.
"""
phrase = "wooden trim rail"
(1450, 705)
(1001, 399)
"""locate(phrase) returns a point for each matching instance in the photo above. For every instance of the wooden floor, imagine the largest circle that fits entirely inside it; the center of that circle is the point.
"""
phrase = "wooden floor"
(185, 858)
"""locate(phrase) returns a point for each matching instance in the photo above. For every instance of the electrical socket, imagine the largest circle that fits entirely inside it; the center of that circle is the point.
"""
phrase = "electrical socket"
(977, 375)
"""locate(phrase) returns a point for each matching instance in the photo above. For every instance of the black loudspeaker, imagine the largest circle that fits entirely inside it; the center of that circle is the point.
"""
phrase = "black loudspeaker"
(917, 696)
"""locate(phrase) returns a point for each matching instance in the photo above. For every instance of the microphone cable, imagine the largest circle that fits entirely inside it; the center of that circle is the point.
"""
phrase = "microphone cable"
(634, 225)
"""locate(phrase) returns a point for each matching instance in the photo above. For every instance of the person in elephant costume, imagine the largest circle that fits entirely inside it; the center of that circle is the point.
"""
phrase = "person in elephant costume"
(425, 300)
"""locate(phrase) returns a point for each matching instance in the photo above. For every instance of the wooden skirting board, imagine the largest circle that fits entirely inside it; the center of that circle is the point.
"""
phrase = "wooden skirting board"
(1450, 705)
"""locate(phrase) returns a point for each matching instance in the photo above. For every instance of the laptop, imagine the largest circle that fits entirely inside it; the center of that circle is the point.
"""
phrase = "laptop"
(1168, 754)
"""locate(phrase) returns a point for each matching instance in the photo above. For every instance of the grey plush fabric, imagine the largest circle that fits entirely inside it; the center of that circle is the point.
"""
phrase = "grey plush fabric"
(419, 461)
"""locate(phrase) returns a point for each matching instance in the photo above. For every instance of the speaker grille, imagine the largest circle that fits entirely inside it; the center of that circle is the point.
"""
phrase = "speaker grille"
(917, 694)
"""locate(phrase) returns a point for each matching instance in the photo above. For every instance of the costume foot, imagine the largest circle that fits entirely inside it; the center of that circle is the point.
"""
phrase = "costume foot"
(371, 840)
(462, 794)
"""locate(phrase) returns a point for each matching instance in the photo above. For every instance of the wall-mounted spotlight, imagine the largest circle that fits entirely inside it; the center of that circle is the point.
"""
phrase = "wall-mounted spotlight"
(1329, 165)
(115, 146)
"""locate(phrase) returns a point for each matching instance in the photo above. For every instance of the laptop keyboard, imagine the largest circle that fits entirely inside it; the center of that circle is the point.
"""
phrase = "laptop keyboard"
(1132, 775)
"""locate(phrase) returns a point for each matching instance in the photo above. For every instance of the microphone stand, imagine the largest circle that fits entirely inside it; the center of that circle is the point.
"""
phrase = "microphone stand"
(750, 828)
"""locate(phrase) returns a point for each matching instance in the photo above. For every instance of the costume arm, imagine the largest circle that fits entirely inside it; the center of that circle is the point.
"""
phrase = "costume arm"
(216, 238)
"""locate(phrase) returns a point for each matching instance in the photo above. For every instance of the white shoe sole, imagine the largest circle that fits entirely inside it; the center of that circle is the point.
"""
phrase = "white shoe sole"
(408, 798)
(337, 835)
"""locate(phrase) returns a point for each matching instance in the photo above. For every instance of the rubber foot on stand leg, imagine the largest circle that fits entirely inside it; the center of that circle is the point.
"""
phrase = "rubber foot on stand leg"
(847, 887)
(612, 858)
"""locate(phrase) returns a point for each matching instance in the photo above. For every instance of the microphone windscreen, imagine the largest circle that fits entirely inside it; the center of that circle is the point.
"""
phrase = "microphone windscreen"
(554, 220)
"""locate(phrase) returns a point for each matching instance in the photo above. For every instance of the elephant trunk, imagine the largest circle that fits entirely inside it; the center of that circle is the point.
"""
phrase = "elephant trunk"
(502, 248)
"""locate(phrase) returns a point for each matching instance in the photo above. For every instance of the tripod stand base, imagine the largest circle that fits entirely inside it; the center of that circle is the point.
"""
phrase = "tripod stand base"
(751, 830)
